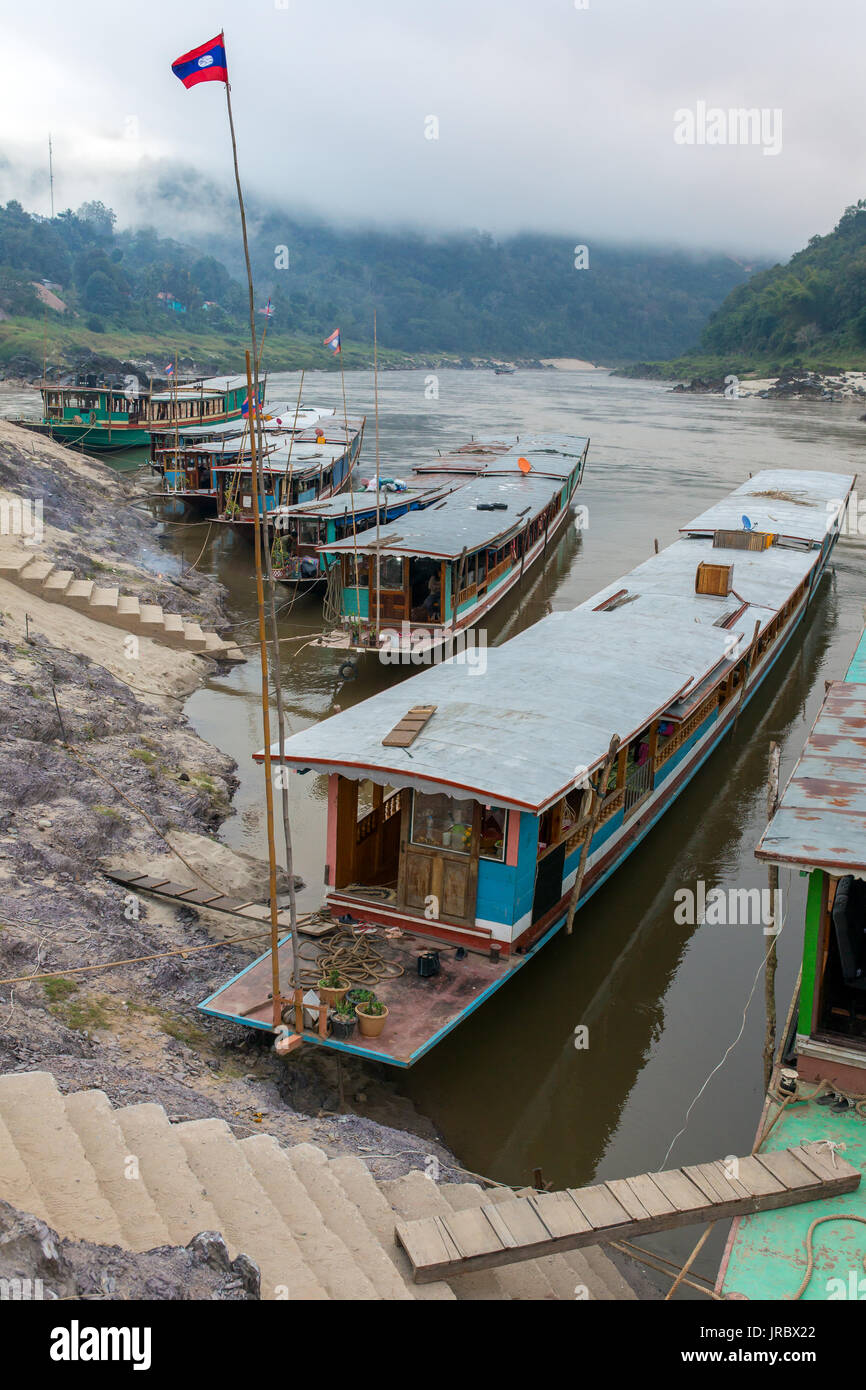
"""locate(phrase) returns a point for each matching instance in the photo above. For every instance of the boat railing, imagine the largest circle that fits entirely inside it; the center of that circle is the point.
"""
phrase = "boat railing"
(638, 785)
(686, 729)
(370, 823)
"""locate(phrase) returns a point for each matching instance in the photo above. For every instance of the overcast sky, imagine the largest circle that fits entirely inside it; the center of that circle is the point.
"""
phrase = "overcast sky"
(551, 117)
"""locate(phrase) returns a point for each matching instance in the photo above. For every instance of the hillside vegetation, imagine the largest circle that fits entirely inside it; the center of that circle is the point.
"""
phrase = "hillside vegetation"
(130, 291)
(808, 313)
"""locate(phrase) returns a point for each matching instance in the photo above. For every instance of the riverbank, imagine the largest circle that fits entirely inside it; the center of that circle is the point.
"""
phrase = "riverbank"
(715, 378)
(124, 353)
(101, 765)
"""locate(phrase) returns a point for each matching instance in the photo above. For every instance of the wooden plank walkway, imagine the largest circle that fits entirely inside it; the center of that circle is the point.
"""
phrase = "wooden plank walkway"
(548, 1222)
(218, 902)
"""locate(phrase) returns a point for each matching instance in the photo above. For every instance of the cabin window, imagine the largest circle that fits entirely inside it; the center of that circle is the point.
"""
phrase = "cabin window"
(444, 822)
(357, 571)
(308, 531)
(390, 571)
(494, 829)
(558, 821)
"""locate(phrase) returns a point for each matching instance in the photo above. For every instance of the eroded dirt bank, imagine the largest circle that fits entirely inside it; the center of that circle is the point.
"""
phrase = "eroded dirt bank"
(98, 763)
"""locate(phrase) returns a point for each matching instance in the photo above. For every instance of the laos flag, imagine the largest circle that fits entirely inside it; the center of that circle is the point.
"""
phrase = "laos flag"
(207, 63)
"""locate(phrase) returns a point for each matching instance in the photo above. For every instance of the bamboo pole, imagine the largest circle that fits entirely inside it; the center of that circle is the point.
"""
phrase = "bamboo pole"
(747, 671)
(378, 552)
(597, 803)
(352, 503)
(260, 522)
(266, 727)
(771, 958)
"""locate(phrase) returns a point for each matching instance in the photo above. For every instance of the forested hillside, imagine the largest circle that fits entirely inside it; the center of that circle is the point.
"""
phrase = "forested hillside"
(809, 313)
(464, 294)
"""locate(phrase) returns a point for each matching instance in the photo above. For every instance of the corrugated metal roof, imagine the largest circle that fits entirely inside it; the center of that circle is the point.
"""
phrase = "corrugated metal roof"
(552, 697)
(551, 455)
(444, 531)
(547, 704)
(821, 819)
(343, 504)
(789, 502)
(763, 579)
(307, 416)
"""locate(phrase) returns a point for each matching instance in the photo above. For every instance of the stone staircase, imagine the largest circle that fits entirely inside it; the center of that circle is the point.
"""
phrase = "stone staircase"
(318, 1228)
(110, 606)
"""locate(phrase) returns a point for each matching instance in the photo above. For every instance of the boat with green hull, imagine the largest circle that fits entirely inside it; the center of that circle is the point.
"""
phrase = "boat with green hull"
(817, 1092)
(104, 415)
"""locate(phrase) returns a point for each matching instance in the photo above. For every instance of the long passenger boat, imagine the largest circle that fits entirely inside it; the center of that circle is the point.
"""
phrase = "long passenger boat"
(186, 465)
(418, 584)
(101, 415)
(305, 528)
(817, 1091)
(478, 804)
(317, 462)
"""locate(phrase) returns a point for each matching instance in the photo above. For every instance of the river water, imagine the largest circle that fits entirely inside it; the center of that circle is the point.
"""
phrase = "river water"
(509, 1090)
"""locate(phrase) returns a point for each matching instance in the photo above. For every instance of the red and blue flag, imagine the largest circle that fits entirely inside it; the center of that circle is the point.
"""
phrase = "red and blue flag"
(207, 63)
(333, 342)
(245, 408)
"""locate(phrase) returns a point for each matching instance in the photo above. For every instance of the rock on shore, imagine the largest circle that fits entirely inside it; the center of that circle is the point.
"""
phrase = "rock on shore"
(98, 762)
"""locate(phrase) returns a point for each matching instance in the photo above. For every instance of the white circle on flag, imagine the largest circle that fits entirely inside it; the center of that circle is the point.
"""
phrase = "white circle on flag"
(205, 61)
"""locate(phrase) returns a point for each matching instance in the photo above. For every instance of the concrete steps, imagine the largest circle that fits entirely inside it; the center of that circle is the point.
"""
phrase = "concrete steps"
(109, 605)
(318, 1228)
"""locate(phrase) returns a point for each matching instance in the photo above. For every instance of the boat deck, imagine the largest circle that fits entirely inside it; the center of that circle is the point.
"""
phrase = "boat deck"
(766, 1256)
(421, 1011)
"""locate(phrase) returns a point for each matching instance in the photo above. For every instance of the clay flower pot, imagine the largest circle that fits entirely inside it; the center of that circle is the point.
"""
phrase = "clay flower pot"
(332, 996)
(370, 1025)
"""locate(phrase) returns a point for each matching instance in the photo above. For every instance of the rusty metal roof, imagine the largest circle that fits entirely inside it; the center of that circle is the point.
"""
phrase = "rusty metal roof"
(821, 819)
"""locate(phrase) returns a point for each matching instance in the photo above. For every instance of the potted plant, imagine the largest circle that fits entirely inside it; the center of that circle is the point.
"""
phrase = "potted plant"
(332, 987)
(371, 1014)
(343, 1019)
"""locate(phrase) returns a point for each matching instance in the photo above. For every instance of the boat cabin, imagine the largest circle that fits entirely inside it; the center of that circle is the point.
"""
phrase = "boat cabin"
(819, 829)
(198, 403)
(475, 800)
(93, 401)
(306, 529)
(431, 574)
(315, 463)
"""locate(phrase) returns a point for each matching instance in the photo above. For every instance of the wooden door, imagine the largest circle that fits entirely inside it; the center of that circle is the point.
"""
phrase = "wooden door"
(437, 881)
(393, 603)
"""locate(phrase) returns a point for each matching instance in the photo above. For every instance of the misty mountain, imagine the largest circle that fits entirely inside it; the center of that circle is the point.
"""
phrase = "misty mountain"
(523, 296)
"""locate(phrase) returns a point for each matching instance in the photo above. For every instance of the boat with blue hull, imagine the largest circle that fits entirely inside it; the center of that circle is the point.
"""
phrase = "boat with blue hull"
(420, 584)
(478, 805)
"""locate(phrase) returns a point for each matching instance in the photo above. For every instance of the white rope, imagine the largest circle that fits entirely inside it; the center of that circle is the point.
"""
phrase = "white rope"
(730, 1048)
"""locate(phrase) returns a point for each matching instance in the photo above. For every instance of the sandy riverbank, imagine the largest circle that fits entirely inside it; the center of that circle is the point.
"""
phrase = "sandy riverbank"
(111, 773)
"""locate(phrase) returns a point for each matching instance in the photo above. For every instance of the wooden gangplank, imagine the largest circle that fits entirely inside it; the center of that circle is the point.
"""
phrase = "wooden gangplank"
(548, 1222)
(215, 901)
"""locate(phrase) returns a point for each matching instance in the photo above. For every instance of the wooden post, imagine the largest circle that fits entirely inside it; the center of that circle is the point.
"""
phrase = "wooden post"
(771, 957)
(747, 668)
(598, 802)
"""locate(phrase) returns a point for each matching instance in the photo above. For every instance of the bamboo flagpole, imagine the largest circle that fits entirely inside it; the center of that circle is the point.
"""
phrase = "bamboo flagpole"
(378, 486)
(339, 349)
(208, 63)
(266, 726)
